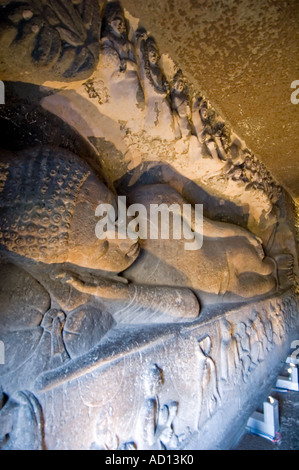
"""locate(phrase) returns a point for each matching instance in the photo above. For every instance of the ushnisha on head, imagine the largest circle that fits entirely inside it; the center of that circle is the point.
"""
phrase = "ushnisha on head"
(48, 201)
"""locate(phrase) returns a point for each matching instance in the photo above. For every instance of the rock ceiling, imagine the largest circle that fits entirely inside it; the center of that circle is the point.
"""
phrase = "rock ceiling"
(243, 55)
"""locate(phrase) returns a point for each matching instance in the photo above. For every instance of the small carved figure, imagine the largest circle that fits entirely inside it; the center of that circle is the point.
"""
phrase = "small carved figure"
(261, 333)
(105, 437)
(278, 321)
(236, 173)
(208, 380)
(96, 89)
(221, 137)
(149, 413)
(155, 422)
(53, 322)
(167, 436)
(181, 105)
(211, 133)
(256, 347)
(243, 340)
(229, 351)
(290, 307)
(115, 45)
(158, 119)
(116, 83)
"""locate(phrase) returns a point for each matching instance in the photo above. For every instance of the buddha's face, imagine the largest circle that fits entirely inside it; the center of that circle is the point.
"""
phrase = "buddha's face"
(118, 26)
(85, 248)
(248, 162)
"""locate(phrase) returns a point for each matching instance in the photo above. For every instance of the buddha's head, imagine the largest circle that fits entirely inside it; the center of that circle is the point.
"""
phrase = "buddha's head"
(48, 203)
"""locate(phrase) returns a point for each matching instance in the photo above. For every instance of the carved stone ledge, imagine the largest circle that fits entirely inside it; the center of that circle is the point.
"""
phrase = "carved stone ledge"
(164, 390)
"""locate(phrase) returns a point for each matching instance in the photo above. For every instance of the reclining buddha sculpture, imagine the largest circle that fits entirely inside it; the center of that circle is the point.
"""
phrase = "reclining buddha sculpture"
(49, 202)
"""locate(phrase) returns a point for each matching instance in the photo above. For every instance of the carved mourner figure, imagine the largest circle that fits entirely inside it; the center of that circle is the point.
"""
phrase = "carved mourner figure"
(155, 424)
(180, 105)
(208, 382)
(229, 351)
(149, 415)
(114, 40)
(210, 134)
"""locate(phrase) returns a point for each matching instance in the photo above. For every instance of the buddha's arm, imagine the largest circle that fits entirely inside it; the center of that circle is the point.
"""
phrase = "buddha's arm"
(104, 289)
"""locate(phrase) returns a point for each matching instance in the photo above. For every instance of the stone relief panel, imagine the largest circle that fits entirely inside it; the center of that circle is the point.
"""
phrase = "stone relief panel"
(210, 398)
(156, 394)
